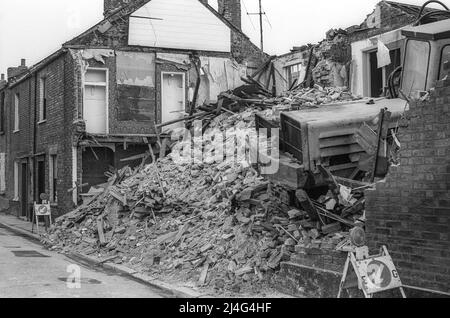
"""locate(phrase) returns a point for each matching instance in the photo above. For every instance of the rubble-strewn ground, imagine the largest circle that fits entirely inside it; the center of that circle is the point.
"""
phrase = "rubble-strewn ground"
(219, 226)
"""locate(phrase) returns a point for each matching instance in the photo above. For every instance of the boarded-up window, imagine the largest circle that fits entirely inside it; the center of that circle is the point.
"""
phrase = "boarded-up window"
(136, 92)
(136, 103)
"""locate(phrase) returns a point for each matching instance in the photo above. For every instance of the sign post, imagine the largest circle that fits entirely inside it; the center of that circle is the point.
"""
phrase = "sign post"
(41, 210)
(375, 273)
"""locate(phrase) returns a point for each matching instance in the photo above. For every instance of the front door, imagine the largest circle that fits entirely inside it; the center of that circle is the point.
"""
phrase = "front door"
(23, 189)
(173, 99)
(40, 179)
(94, 110)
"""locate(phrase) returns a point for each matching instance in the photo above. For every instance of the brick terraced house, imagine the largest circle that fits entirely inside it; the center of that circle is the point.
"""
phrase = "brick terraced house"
(96, 101)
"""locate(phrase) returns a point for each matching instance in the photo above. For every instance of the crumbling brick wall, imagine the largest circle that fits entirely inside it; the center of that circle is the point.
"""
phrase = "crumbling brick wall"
(333, 55)
(410, 212)
(385, 18)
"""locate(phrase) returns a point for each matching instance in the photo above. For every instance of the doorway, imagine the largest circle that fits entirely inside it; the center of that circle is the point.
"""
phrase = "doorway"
(40, 182)
(95, 162)
(376, 76)
(173, 98)
(23, 189)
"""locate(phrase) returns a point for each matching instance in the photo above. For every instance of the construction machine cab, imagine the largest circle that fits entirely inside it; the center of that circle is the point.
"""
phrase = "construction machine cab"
(427, 53)
(427, 56)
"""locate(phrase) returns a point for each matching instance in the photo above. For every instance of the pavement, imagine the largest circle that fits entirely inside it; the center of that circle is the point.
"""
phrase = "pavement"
(23, 229)
(27, 270)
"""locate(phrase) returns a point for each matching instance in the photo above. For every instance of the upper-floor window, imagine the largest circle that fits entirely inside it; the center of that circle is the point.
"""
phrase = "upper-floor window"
(2, 111)
(16, 112)
(42, 99)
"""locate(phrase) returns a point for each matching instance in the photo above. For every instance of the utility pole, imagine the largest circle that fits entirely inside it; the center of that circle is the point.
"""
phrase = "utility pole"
(260, 13)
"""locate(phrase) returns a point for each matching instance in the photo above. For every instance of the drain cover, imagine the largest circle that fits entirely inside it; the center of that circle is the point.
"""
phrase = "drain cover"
(28, 254)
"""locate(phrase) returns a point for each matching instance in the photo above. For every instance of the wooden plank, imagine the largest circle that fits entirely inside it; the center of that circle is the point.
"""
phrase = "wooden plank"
(100, 230)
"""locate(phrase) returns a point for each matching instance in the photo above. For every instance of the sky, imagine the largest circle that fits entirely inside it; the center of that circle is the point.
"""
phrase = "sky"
(33, 29)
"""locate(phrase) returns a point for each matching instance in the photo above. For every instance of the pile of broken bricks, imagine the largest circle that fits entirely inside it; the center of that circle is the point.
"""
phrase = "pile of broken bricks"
(218, 225)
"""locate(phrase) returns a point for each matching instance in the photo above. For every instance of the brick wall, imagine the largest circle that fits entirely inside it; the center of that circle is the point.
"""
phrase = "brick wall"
(231, 10)
(410, 212)
(390, 19)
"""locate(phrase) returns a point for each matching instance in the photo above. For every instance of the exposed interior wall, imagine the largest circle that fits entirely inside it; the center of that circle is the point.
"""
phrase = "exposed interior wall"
(178, 24)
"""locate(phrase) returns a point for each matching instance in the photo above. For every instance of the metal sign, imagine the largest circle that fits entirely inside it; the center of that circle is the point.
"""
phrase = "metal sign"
(378, 274)
(375, 273)
(42, 209)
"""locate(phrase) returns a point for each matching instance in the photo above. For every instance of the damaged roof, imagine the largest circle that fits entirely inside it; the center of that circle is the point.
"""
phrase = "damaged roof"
(414, 10)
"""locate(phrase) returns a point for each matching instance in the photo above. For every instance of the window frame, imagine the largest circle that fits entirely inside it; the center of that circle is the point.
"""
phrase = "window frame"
(2, 111)
(16, 113)
(97, 84)
(428, 63)
(43, 100)
(440, 60)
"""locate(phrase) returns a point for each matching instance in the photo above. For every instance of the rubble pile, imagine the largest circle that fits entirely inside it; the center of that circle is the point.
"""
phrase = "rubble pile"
(218, 224)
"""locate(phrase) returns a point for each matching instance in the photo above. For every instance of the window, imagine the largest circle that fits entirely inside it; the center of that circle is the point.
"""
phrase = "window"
(295, 73)
(16, 181)
(53, 177)
(445, 62)
(43, 99)
(95, 106)
(16, 112)
(415, 70)
(2, 112)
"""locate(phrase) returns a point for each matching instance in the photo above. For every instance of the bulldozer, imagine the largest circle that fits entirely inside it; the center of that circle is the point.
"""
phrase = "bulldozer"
(353, 140)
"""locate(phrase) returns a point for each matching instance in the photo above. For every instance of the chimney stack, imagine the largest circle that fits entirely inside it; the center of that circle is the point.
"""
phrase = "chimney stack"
(17, 71)
(231, 10)
(110, 6)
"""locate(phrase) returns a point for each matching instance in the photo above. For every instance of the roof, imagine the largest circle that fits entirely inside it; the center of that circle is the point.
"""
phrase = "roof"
(409, 8)
(432, 31)
(414, 10)
(113, 16)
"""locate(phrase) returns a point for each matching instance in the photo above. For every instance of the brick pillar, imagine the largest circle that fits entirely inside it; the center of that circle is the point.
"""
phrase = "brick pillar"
(410, 212)
(231, 10)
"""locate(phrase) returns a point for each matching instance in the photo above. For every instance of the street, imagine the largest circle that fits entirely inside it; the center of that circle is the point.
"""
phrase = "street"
(29, 271)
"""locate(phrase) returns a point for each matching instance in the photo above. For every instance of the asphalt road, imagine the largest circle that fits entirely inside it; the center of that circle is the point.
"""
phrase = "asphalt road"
(29, 271)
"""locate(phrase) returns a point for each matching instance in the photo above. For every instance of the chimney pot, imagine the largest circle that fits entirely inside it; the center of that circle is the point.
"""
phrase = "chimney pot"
(23, 62)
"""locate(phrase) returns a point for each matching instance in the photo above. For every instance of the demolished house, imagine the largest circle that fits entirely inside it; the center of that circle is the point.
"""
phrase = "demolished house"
(92, 107)
(234, 227)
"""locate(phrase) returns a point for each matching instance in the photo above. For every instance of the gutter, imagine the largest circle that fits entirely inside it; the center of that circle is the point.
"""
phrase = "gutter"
(40, 65)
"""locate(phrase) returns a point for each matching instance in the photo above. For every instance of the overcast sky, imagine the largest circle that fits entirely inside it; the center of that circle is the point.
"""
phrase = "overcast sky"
(33, 29)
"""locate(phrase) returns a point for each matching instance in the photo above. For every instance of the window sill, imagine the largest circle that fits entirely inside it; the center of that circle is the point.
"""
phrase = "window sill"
(15, 200)
(2, 133)
(42, 122)
(16, 131)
